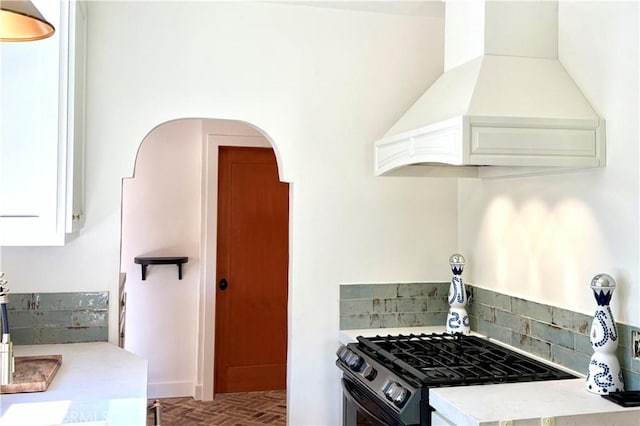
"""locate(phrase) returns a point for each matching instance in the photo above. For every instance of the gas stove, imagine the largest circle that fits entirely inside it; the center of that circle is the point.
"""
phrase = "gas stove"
(386, 378)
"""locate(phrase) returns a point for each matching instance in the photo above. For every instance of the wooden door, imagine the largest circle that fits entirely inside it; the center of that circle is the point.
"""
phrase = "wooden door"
(253, 257)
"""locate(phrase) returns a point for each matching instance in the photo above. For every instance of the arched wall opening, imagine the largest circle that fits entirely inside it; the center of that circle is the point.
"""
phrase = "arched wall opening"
(169, 208)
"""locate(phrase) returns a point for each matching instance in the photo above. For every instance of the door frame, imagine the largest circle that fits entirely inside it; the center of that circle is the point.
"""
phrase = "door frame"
(230, 133)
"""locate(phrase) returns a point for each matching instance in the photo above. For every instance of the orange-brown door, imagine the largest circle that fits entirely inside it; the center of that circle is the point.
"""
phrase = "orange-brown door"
(252, 272)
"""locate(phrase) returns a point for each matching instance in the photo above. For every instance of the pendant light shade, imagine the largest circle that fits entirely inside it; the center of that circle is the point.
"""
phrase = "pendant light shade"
(20, 20)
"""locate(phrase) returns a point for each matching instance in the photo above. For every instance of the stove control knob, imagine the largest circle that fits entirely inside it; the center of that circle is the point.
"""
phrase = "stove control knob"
(354, 361)
(396, 393)
(342, 352)
(369, 372)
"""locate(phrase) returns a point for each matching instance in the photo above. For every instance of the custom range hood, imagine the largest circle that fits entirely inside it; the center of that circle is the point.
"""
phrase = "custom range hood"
(505, 105)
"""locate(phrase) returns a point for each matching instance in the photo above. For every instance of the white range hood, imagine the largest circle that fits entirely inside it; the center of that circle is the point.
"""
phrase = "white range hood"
(504, 100)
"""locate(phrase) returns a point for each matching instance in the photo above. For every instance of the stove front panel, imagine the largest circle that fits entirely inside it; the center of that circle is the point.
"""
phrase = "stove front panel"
(394, 393)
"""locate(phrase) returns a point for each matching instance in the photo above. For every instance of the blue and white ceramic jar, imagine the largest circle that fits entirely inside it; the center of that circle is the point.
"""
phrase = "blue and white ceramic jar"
(605, 374)
(457, 318)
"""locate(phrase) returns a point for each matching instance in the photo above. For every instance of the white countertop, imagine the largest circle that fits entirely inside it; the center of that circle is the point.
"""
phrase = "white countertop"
(566, 401)
(525, 404)
(97, 383)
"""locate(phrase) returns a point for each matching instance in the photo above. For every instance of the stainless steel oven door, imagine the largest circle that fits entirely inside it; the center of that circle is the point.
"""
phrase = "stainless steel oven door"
(362, 408)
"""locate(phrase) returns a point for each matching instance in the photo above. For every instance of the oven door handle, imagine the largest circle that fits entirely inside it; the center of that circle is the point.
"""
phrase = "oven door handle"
(349, 396)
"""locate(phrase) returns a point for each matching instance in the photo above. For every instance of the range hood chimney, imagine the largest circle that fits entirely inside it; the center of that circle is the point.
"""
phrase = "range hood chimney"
(503, 100)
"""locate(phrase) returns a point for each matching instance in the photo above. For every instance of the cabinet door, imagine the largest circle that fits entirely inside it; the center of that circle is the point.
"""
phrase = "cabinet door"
(37, 128)
(75, 122)
(29, 121)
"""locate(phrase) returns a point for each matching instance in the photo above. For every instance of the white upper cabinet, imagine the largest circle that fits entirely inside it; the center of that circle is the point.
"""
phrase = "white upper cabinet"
(42, 131)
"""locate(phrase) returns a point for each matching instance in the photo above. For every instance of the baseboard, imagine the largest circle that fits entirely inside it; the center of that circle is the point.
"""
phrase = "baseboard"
(170, 389)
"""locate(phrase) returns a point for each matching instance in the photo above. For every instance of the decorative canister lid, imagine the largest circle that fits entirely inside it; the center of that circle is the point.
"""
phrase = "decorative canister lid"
(456, 259)
(603, 281)
(603, 286)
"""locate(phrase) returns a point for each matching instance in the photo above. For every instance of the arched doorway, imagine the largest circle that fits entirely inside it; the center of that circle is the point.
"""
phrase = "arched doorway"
(171, 321)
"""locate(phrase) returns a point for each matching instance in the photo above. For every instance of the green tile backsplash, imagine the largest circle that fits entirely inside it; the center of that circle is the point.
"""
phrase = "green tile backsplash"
(392, 305)
(553, 333)
(38, 318)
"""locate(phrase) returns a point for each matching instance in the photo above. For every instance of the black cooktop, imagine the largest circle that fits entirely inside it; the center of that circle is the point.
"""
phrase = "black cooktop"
(454, 360)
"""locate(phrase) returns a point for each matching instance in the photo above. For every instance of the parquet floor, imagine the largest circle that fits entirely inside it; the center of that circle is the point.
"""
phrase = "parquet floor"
(231, 409)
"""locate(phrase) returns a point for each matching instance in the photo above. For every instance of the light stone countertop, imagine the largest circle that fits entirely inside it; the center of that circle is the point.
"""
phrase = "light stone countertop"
(524, 404)
(97, 383)
(566, 401)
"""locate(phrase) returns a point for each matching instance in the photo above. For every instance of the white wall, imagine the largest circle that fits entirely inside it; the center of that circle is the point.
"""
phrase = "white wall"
(322, 84)
(161, 217)
(544, 238)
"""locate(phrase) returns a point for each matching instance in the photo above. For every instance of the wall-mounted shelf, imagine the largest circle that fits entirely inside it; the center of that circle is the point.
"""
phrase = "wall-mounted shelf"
(146, 261)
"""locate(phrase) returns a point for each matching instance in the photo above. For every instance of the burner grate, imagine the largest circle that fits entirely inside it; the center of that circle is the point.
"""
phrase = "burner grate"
(444, 360)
